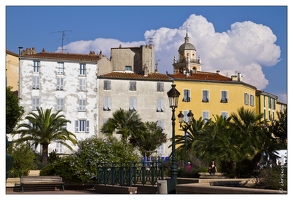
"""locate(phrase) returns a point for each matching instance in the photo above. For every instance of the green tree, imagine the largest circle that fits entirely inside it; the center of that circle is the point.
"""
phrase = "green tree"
(192, 131)
(126, 123)
(23, 160)
(247, 128)
(13, 110)
(43, 128)
(150, 139)
(93, 152)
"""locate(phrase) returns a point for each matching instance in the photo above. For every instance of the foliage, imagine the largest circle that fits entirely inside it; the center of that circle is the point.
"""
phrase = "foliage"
(150, 139)
(126, 123)
(82, 165)
(13, 110)
(43, 128)
(23, 160)
(61, 167)
(274, 178)
(240, 139)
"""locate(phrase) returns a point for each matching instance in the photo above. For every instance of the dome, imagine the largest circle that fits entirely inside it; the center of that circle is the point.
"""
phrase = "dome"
(186, 45)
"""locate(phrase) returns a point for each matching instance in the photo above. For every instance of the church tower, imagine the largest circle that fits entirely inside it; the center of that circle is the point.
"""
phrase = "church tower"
(187, 60)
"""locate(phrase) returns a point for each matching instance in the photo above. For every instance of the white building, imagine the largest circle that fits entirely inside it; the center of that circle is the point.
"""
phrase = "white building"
(61, 81)
(145, 94)
(88, 88)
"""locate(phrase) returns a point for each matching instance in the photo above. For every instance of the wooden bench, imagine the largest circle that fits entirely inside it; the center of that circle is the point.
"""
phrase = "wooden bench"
(41, 182)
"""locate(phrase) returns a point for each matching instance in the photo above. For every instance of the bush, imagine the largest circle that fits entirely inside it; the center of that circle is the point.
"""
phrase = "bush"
(23, 160)
(273, 178)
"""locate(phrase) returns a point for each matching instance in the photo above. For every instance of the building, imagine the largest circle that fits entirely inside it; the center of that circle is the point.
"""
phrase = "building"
(12, 67)
(144, 94)
(61, 81)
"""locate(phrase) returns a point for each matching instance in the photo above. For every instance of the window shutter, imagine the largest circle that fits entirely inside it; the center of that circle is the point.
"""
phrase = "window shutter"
(76, 126)
(87, 128)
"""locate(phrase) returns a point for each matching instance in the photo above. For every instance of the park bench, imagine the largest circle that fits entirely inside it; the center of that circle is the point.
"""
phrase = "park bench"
(41, 182)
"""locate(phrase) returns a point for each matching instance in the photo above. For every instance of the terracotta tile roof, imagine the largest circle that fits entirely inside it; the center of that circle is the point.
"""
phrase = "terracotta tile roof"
(11, 53)
(64, 56)
(201, 76)
(122, 75)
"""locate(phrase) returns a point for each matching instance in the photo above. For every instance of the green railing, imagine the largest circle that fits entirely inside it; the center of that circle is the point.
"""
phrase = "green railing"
(128, 174)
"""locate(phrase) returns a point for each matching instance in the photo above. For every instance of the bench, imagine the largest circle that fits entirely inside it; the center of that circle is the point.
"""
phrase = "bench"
(41, 182)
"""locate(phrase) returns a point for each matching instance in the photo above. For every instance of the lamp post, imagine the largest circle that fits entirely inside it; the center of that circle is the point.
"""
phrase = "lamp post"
(173, 95)
(181, 120)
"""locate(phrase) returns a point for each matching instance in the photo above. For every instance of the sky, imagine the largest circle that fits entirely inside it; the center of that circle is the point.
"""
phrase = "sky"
(248, 39)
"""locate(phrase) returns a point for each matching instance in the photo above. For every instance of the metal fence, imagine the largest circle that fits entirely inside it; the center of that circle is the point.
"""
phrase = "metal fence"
(129, 173)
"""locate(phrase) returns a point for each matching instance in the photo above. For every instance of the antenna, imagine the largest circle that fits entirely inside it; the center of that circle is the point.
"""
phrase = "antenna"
(151, 40)
(157, 64)
(62, 37)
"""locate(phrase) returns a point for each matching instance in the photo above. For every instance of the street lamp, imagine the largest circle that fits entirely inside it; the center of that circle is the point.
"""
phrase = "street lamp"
(181, 120)
(173, 95)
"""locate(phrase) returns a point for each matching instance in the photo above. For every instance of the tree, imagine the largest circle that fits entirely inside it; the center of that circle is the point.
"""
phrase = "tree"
(192, 133)
(13, 110)
(43, 128)
(150, 139)
(126, 123)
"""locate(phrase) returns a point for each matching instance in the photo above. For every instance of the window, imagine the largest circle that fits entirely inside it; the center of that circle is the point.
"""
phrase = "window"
(35, 103)
(264, 114)
(82, 84)
(132, 103)
(59, 83)
(224, 114)
(37, 66)
(60, 103)
(107, 85)
(160, 87)
(251, 100)
(160, 105)
(82, 126)
(205, 96)
(186, 97)
(36, 82)
(107, 104)
(82, 69)
(246, 99)
(160, 150)
(132, 86)
(82, 103)
(205, 116)
(269, 115)
(270, 102)
(60, 68)
(224, 96)
(59, 147)
(264, 101)
(127, 68)
(160, 123)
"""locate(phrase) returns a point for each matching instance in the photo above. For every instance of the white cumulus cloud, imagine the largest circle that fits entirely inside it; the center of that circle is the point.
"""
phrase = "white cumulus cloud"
(245, 48)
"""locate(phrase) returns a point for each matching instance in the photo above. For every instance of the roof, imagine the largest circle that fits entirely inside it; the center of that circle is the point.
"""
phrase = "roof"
(206, 77)
(186, 46)
(11, 53)
(125, 75)
(63, 56)
(203, 76)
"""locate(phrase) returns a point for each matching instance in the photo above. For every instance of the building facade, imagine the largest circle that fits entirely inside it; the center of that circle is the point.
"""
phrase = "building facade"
(12, 67)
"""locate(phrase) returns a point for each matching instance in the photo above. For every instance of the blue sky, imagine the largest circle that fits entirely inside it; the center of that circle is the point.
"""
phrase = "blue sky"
(251, 40)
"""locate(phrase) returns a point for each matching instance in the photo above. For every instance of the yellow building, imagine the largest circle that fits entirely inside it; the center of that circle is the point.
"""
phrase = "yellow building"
(12, 70)
(209, 94)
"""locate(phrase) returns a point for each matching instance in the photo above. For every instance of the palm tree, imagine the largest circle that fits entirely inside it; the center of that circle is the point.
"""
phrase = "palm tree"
(151, 139)
(246, 126)
(126, 123)
(43, 128)
(192, 132)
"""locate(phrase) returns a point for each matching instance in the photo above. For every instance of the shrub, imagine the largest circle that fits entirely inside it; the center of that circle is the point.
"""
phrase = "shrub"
(273, 178)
